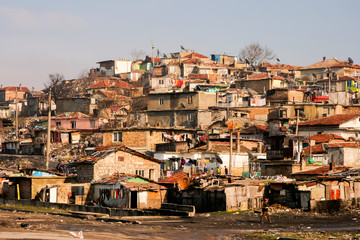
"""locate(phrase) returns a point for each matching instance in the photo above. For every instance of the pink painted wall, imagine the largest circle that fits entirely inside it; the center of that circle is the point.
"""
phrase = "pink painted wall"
(81, 124)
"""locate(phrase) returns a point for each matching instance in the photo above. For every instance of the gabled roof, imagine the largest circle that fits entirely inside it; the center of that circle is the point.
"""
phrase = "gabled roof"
(131, 181)
(316, 149)
(279, 66)
(102, 152)
(346, 78)
(262, 76)
(343, 144)
(325, 138)
(72, 115)
(330, 121)
(321, 170)
(111, 84)
(330, 63)
(195, 55)
(192, 61)
(175, 178)
(12, 88)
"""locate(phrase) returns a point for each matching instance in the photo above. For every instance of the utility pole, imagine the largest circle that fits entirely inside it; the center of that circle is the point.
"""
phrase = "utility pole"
(152, 56)
(330, 81)
(48, 132)
(231, 150)
(17, 120)
(297, 122)
(231, 127)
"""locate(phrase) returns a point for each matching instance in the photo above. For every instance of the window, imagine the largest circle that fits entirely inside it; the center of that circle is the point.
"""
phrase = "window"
(92, 123)
(348, 83)
(73, 124)
(58, 124)
(161, 101)
(161, 82)
(190, 99)
(117, 136)
(190, 117)
(140, 172)
(121, 158)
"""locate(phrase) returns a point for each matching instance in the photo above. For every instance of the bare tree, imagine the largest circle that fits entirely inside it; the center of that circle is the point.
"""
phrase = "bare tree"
(55, 84)
(255, 54)
(137, 54)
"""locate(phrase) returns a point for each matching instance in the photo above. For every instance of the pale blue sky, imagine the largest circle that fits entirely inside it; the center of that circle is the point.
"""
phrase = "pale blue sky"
(40, 37)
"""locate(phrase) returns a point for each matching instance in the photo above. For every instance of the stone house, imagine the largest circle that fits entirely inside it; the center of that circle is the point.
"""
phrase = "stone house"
(180, 109)
(281, 96)
(283, 70)
(121, 159)
(143, 139)
(261, 83)
(11, 93)
(82, 104)
(330, 68)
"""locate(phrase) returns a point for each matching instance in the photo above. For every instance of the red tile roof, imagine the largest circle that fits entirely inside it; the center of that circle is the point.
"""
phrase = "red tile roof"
(321, 170)
(175, 177)
(75, 115)
(316, 149)
(111, 83)
(262, 127)
(195, 55)
(345, 78)
(11, 88)
(262, 76)
(331, 63)
(330, 121)
(156, 60)
(192, 61)
(280, 66)
(324, 138)
(343, 144)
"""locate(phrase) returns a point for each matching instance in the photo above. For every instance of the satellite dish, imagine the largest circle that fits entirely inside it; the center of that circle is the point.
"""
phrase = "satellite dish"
(250, 92)
(350, 60)
(301, 113)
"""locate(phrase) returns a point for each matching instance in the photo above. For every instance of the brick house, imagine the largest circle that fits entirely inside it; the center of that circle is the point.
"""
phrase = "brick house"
(121, 159)
(261, 83)
(142, 138)
(186, 109)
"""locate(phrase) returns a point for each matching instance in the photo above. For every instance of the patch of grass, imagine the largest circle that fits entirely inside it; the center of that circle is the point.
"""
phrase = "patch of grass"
(260, 236)
(33, 208)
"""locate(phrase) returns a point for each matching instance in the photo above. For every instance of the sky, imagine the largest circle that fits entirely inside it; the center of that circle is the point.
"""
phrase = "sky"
(41, 37)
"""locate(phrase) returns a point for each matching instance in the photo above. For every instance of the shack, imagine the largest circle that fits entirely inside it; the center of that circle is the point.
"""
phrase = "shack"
(128, 191)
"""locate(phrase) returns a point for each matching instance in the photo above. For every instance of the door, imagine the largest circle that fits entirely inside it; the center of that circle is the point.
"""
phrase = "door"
(53, 195)
(151, 174)
(305, 200)
(133, 199)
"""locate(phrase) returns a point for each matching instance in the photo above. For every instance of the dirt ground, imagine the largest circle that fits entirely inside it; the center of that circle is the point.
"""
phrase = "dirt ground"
(225, 225)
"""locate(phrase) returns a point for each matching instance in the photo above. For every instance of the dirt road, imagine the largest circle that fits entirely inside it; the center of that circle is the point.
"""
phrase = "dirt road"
(20, 225)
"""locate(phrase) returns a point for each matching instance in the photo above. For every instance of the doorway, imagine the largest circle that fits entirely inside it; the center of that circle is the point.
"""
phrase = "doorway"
(133, 199)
